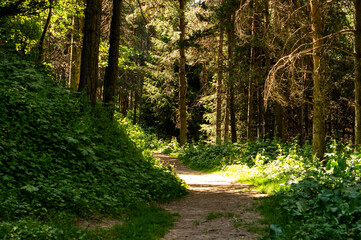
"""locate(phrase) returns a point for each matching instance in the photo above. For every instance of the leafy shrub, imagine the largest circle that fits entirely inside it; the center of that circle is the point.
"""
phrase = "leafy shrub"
(144, 137)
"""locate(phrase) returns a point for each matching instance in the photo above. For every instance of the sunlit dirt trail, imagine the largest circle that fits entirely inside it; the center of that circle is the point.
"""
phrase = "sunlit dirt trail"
(210, 193)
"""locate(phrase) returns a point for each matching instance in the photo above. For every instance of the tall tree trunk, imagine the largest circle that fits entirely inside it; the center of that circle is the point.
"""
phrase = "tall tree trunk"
(250, 97)
(71, 49)
(90, 51)
(357, 60)
(182, 77)
(250, 79)
(232, 110)
(319, 128)
(267, 64)
(74, 70)
(112, 71)
(261, 131)
(219, 89)
(135, 106)
(45, 30)
(226, 118)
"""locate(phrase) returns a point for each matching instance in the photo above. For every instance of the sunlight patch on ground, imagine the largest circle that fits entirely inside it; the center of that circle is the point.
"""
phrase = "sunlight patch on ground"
(206, 179)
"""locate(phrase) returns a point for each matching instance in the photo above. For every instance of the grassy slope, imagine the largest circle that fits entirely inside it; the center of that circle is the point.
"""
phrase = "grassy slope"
(56, 157)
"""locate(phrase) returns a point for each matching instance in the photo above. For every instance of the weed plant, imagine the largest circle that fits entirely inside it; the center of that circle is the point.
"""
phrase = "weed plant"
(57, 155)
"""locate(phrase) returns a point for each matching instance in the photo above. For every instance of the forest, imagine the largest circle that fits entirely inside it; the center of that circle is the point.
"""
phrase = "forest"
(267, 92)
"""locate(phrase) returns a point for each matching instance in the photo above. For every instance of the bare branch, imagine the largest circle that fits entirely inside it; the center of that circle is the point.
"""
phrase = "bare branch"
(289, 61)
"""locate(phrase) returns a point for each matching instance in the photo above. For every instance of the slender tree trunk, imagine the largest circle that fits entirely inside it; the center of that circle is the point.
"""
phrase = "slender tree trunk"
(232, 110)
(140, 120)
(226, 118)
(219, 89)
(250, 98)
(261, 132)
(71, 50)
(319, 127)
(76, 52)
(112, 71)
(90, 51)
(265, 119)
(182, 77)
(45, 30)
(250, 81)
(357, 60)
(144, 48)
(303, 114)
(135, 107)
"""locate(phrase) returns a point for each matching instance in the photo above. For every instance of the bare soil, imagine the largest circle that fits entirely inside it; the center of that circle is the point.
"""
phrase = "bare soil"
(216, 208)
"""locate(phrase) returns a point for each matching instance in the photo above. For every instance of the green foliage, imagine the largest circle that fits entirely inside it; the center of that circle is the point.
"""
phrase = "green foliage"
(212, 157)
(143, 222)
(61, 226)
(56, 155)
(20, 33)
(12, 7)
(172, 148)
(144, 137)
(307, 201)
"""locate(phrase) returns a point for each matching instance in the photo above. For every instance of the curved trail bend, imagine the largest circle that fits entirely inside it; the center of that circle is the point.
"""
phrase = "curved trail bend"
(210, 193)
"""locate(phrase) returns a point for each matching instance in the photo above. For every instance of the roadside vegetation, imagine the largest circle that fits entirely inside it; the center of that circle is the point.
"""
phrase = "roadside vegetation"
(305, 200)
(61, 161)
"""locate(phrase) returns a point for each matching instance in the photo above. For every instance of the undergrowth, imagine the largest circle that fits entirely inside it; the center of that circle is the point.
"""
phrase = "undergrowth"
(305, 199)
(58, 155)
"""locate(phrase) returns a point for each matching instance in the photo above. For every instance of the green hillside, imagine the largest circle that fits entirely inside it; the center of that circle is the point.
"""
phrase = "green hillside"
(59, 155)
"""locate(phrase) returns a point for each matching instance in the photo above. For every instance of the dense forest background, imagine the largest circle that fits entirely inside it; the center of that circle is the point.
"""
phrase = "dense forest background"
(268, 92)
(252, 69)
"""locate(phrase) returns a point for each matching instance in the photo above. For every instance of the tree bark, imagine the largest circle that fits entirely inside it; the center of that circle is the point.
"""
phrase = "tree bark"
(319, 128)
(357, 60)
(182, 77)
(45, 30)
(250, 97)
(76, 52)
(90, 51)
(135, 107)
(232, 110)
(250, 80)
(112, 71)
(267, 62)
(219, 89)
(226, 118)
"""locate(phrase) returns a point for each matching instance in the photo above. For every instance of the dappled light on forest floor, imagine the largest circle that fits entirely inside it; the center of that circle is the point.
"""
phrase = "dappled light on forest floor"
(216, 207)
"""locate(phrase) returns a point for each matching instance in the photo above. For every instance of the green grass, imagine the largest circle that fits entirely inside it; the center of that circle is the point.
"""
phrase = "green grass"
(214, 215)
(262, 180)
(143, 223)
(196, 222)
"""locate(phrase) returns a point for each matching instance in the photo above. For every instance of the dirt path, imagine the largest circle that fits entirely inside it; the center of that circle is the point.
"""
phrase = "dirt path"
(216, 208)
